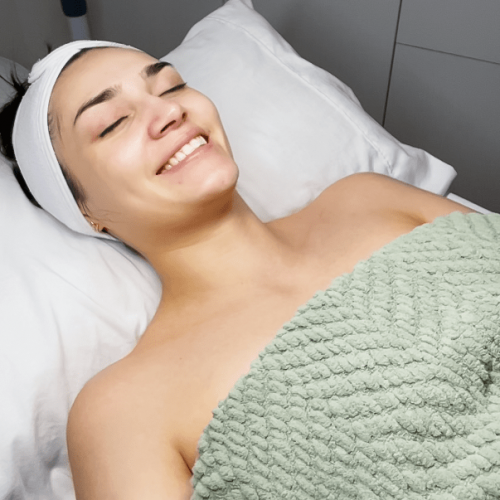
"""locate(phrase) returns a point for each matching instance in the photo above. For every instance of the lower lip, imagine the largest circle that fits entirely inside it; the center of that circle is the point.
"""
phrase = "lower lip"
(200, 150)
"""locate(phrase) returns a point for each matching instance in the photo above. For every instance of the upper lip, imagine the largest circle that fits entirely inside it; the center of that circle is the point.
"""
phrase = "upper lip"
(180, 142)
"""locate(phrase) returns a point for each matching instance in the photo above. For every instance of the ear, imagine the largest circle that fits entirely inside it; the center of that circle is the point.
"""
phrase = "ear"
(95, 225)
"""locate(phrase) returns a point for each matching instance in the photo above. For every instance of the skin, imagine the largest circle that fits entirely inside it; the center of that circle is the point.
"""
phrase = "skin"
(190, 226)
(229, 281)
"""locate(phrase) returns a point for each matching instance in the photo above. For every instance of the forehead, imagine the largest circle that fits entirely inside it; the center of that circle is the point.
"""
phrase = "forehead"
(93, 72)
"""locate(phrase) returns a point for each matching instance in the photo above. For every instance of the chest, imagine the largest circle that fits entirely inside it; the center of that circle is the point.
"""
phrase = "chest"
(209, 360)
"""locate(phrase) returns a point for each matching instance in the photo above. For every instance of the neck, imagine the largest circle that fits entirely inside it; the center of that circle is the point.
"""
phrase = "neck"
(227, 255)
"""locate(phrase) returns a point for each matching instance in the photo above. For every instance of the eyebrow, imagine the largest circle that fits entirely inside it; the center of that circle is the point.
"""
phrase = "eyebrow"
(108, 94)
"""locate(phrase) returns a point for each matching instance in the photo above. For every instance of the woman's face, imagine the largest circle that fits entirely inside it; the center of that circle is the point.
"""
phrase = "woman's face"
(149, 152)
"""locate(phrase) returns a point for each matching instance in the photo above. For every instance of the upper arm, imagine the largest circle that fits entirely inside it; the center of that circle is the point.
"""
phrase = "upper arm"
(382, 191)
(117, 451)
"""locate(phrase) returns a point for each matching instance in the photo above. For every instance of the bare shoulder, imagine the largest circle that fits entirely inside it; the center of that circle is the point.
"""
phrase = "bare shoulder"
(369, 191)
(118, 444)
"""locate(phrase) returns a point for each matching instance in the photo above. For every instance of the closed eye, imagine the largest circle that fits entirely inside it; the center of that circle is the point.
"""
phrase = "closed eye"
(115, 124)
(112, 127)
(174, 89)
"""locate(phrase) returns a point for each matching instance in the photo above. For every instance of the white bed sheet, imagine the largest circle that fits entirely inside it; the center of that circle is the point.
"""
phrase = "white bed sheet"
(467, 203)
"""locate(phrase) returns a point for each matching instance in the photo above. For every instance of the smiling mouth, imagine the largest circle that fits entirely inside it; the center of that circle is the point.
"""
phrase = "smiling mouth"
(184, 152)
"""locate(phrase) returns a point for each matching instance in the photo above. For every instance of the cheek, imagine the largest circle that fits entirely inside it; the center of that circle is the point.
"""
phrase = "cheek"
(103, 177)
(210, 119)
(114, 161)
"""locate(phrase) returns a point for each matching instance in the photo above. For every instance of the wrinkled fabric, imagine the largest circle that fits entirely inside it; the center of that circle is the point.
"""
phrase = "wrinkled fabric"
(384, 386)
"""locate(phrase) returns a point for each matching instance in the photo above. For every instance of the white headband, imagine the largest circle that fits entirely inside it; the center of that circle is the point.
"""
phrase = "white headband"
(32, 145)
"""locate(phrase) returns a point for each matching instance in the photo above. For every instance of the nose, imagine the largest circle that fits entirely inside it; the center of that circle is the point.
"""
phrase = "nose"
(166, 115)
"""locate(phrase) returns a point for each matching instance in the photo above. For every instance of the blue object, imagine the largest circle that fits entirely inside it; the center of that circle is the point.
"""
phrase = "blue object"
(74, 8)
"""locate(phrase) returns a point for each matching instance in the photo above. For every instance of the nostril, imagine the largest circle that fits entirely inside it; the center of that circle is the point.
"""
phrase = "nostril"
(166, 126)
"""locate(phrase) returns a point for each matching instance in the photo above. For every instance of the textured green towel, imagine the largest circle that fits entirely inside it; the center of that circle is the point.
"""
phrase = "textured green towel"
(384, 386)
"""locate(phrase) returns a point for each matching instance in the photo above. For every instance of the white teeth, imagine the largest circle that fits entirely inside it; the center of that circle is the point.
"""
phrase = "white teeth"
(186, 150)
(180, 156)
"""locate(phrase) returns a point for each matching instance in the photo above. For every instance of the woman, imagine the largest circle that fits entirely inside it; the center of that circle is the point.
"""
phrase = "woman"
(149, 163)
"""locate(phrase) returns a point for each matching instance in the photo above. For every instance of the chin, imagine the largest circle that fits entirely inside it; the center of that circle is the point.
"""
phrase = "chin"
(221, 178)
(221, 187)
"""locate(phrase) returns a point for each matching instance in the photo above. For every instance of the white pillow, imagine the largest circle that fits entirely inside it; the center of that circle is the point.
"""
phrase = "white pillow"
(288, 121)
(70, 305)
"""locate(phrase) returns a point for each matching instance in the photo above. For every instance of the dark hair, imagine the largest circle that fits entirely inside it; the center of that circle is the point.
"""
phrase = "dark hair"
(7, 117)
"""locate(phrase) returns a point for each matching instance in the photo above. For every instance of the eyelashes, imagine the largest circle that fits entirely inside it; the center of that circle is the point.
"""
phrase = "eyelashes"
(115, 124)
(174, 89)
(112, 127)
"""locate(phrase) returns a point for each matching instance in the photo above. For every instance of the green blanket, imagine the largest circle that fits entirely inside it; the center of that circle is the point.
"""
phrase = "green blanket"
(384, 386)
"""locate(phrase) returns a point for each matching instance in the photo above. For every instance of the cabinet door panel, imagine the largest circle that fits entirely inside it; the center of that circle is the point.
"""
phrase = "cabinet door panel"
(450, 107)
(462, 27)
(353, 39)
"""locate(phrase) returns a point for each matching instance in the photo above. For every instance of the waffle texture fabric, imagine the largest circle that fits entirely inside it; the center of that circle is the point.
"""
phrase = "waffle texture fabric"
(384, 386)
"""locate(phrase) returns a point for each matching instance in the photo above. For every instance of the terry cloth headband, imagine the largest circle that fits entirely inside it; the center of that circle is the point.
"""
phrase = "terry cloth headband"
(32, 145)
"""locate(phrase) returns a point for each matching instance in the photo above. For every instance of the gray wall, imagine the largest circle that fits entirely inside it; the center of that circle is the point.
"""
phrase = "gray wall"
(353, 39)
(445, 90)
(428, 71)
(155, 26)
(26, 26)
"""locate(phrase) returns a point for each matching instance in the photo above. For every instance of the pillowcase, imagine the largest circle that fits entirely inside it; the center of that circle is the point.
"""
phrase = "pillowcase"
(288, 121)
(71, 305)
